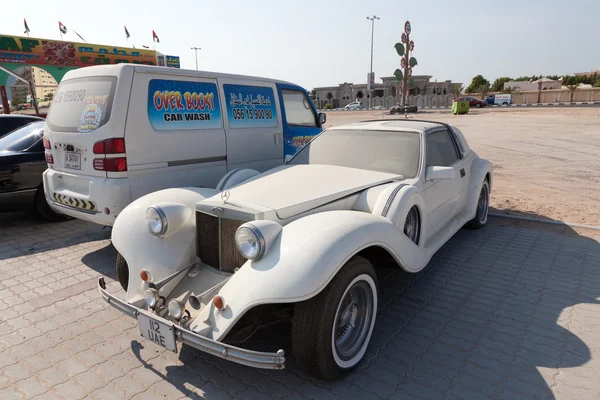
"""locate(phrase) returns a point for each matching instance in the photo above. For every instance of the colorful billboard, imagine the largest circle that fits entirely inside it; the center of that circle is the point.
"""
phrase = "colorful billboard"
(34, 51)
(175, 105)
(250, 106)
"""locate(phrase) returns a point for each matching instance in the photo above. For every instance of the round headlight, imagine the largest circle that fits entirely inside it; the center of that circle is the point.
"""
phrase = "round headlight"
(157, 220)
(176, 309)
(151, 297)
(250, 242)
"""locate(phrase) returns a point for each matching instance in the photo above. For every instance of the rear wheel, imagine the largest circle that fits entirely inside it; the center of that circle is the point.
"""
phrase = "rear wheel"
(122, 271)
(43, 208)
(331, 331)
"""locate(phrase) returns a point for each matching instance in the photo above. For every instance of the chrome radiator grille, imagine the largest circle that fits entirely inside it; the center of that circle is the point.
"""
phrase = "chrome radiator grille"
(215, 243)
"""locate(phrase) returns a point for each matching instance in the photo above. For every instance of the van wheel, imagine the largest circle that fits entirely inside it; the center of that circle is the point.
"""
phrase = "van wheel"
(122, 271)
(331, 331)
(43, 208)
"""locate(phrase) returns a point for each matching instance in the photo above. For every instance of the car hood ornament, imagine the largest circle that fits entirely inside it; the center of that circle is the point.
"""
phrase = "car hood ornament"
(225, 196)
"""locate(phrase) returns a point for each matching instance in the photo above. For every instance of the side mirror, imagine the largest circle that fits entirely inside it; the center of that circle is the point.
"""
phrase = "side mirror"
(434, 173)
(322, 119)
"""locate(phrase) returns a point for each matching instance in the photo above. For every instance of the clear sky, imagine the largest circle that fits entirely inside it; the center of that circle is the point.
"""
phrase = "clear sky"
(327, 42)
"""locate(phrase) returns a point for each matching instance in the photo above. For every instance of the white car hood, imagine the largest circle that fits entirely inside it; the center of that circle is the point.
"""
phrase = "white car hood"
(292, 189)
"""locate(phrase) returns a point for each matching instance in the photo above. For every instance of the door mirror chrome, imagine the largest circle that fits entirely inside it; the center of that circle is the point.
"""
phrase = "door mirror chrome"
(434, 173)
(322, 119)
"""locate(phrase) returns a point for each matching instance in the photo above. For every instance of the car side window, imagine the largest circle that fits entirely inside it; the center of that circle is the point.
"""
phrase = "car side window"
(38, 147)
(297, 108)
(441, 151)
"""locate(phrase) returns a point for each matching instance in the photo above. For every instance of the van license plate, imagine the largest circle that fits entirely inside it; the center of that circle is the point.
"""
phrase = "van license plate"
(159, 333)
(73, 160)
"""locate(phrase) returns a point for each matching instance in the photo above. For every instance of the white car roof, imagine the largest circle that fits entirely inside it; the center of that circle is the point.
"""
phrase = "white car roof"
(400, 125)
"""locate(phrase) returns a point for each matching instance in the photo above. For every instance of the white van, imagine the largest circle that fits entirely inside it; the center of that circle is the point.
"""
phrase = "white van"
(117, 132)
(503, 99)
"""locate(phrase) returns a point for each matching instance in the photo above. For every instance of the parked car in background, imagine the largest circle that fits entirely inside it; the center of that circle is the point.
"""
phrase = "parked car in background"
(10, 122)
(207, 266)
(355, 105)
(473, 102)
(22, 163)
(118, 132)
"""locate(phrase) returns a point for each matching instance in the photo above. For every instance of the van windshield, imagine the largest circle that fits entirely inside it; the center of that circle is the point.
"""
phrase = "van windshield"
(82, 105)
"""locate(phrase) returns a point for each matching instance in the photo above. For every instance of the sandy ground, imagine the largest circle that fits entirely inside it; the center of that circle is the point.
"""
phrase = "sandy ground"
(547, 161)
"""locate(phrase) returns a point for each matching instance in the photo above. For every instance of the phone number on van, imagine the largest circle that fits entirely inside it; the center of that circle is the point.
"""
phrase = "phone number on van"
(239, 113)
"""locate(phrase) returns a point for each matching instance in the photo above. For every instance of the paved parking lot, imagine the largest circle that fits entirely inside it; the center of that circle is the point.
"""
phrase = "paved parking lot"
(504, 312)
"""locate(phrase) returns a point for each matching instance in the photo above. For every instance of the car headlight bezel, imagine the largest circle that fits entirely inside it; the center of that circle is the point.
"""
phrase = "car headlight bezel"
(252, 232)
(162, 219)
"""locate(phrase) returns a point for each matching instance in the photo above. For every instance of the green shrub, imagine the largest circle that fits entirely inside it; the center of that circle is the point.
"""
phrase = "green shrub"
(327, 107)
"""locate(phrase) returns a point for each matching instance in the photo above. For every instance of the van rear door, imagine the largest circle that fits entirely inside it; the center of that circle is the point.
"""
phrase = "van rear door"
(85, 111)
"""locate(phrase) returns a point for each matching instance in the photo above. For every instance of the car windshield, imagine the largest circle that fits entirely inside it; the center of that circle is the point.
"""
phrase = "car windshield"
(392, 152)
(22, 138)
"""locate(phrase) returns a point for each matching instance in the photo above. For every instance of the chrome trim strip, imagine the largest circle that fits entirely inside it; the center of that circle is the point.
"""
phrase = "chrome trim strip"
(239, 355)
(196, 161)
(388, 203)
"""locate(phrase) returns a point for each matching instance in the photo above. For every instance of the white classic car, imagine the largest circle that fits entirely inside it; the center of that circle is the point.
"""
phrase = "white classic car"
(201, 265)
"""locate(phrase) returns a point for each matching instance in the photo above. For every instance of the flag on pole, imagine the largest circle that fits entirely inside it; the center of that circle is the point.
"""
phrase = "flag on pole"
(155, 37)
(61, 27)
(26, 26)
(127, 35)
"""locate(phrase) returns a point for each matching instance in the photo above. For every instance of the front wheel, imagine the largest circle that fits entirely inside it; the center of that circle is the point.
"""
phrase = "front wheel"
(477, 105)
(331, 331)
(483, 203)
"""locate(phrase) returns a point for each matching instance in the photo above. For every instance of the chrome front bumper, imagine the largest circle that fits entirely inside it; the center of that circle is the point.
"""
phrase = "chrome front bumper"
(235, 354)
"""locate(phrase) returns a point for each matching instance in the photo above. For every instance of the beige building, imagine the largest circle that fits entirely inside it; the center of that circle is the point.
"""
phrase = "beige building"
(385, 94)
(547, 84)
(43, 82)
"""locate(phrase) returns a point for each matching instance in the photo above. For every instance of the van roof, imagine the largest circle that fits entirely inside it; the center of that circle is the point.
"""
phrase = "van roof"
(116, 70)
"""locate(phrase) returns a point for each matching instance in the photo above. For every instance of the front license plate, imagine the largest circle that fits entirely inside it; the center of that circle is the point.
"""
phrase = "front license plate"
(73, 160)
(160, 333)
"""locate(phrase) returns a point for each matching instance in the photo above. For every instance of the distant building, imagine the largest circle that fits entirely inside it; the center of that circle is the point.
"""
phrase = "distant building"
(588, 74)
(384, 94)
(42, 78)
(547, 84)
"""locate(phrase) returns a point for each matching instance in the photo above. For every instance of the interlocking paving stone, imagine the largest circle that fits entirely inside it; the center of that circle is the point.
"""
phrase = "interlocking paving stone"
(504, 312)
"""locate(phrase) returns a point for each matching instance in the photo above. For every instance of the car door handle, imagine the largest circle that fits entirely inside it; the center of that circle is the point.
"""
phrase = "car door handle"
(277, 138)
(462, 172)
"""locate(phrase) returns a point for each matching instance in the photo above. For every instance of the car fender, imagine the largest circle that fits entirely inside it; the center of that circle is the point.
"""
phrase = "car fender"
(236, 177)
(161, 256)
(306, 255)
(479, 169)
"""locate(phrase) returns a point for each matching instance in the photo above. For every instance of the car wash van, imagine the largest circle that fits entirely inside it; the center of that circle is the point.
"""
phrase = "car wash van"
(115, 133)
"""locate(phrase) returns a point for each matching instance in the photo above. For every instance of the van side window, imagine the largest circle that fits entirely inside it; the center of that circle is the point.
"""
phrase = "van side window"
(297, 108)
(441, 151)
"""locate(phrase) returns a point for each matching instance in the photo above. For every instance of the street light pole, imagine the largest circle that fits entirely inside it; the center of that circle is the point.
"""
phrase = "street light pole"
(196, 51)
(372, 19)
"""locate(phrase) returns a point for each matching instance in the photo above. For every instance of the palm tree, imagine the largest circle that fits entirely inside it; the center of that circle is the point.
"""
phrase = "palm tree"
(483, 89)
(457, 90)
(572, 89)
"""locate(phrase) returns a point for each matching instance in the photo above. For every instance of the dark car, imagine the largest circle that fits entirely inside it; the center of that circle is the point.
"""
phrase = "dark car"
(10, 122)
(473, 102)
(22, 163)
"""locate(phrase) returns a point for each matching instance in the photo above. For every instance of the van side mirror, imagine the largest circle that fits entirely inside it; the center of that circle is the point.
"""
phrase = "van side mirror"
(434, 173)
(322, 119)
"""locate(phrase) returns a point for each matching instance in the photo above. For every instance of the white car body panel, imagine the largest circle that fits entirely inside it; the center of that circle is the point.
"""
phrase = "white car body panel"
(328, 215)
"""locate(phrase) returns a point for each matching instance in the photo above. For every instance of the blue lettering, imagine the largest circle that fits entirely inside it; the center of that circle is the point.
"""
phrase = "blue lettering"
(120, 52)
(102, 51)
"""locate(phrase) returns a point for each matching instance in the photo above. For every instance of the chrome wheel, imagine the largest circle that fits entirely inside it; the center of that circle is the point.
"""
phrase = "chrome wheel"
(412, 226)
(482, 204)
(353, 321)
